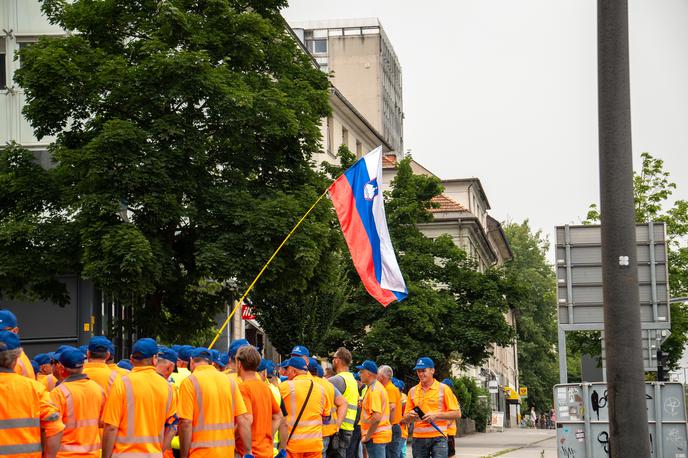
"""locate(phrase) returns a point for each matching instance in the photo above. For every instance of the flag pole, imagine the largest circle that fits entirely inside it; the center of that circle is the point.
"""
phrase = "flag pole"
(255, 280)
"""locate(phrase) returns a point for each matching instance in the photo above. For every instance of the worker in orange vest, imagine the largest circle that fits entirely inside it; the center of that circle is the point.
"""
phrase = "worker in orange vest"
(210, 405)
(81, 402)
(385, 374)
(336, 400)
(30, 425)
(451, 429)
(165, 368)
(111, 361)
(141, 410)
(302, 395)
(96, 368)
(376, 430)
(8, 322)
(260, 404)
(45, 371)
(231, 367)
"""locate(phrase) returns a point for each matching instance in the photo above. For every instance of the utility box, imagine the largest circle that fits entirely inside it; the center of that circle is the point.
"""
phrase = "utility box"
(583, 420)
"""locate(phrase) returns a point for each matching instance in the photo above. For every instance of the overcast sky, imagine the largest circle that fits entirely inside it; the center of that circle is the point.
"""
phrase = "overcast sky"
(506, 91)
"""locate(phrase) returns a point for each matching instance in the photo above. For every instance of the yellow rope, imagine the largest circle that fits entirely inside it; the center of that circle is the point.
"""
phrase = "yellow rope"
(255, 280)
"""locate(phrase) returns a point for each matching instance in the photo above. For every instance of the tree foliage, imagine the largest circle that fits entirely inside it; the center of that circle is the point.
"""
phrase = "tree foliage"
(533, 297)
(453, 313)
(183, 156)
(653, 188)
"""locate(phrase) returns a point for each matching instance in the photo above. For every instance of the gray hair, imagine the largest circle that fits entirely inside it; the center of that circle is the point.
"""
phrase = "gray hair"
(8, 358)
(386, 371)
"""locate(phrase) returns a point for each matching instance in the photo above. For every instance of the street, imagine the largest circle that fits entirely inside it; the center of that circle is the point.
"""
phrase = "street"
(512, 443)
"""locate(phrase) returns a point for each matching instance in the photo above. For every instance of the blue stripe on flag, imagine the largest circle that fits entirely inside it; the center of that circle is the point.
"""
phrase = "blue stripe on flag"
(358, 177)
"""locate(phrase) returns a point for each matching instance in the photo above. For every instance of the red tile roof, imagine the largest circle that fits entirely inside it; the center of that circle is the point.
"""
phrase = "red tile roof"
(389, 161)
(446, 204)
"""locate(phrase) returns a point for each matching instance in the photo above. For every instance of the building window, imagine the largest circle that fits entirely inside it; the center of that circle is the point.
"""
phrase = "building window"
(345, 136)
(22, 45)
(318, 46)
(3, 65)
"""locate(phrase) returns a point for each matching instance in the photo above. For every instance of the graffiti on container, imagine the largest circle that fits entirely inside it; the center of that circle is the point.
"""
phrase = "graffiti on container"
(567, 452)
(603, 439)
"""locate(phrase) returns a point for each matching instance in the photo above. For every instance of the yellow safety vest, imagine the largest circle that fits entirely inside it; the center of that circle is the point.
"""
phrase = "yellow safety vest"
(351, 396)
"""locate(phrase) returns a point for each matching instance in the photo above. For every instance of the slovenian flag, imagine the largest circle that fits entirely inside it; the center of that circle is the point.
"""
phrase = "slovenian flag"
(357, 198)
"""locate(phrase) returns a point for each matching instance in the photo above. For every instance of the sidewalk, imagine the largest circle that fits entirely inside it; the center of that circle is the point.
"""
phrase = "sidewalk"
(512, 443)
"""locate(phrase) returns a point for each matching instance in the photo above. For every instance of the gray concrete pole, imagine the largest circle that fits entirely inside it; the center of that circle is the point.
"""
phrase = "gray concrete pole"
(628, 432)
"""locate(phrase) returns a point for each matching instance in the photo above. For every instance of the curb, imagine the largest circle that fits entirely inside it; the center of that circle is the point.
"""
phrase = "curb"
(509, 450)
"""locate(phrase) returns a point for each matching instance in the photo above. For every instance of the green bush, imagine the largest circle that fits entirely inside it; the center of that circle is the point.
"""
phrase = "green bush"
(472, 406)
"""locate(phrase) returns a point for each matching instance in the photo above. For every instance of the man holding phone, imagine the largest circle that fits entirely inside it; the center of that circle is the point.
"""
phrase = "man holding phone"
(432, 406)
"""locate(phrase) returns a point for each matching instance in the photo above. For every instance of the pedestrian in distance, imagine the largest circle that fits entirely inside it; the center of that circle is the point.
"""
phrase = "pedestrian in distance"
(81, 402)
(210, 406)
(30, 422)
(385, 374)
(430, 406)
(8, 322)
(376, 429)
(140, 414)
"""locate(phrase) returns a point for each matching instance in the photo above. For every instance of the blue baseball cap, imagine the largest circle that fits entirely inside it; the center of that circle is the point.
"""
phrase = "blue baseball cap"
(223, 359)
(448, 382)
(201, 352)
(369, 366)
(60, 349)
(300, 350)
(321, 371)
(99, 344)
(313, 364)
(357, 376)
(424, 363)
(42, 358)
(235, 346)
(214, 354)
(111, 349)
(176, 347)
(263, 365)
(398, 383)
(184, 352)
(270, 367)
(36, 366)
(72, 358)
(144, 348)
(125, 364)
(167, 354)
(7, 320)
(283, 378)
(296, 363)
(83, 348)
(9, 341)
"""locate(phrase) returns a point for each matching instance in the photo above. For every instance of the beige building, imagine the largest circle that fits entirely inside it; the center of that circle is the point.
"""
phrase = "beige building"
(364, 68)
(462, 213)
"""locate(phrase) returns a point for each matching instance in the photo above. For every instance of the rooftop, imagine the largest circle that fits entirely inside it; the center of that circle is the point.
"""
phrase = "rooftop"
(446, 204)
(335, 23)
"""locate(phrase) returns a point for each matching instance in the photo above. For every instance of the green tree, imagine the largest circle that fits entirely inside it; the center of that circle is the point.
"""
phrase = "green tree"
(453, 312)
(533, 297)
(183, 156)
(653, 189)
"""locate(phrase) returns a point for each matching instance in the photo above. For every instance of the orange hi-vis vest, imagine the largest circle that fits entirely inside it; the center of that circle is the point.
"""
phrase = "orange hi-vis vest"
(24, 367)
(307, 437)
(25, 409)
(49, 381)
(329, 424)
(81, 401)
(394, 397)
(141, 405)
(437, 398)
(375, 400)
(211, 400)
(116, 368)
(102, 374)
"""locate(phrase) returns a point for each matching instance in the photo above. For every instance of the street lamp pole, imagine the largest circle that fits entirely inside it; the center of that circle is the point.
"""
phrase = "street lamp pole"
(628, 433)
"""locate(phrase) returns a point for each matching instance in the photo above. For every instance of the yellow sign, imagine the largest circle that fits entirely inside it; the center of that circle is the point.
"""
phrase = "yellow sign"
(523, 392)
(510, 393)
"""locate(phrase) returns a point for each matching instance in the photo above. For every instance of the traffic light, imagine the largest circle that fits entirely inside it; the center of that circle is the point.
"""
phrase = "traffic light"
(662, 362)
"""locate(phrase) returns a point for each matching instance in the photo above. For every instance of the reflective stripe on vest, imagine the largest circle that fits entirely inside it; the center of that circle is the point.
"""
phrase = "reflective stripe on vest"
(80, 448)
(441, 424)
(136, 455)
(201, 425)
(351, 396)
(111, 379)
(16, 423)
(131, 438)
(20, 448)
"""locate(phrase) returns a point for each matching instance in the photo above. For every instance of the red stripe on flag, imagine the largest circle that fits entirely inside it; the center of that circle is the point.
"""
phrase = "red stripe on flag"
(357, 239)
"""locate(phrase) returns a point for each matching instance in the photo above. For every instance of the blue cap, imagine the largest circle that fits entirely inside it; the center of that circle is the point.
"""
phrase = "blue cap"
(236, 345)
(313, 364)
(321, 371)
(36, 366)
(144, 348)
(214, 354)
(357, 376)
(167, 354)
(83, 349)
(300, 350)
(99, 344)
(9, 341)
(60, 349)
(369, 366)
(223, 359)
(111, 349)
(296, 363)
(283, 378)
(72, 358)
(184, 352)
(448, 382)
(125, 364)
(398, 383)
(176, 347)
(7, 320)
(270, 367)
(424, 363)
(42, 358)
(263, 365)
(201, 352)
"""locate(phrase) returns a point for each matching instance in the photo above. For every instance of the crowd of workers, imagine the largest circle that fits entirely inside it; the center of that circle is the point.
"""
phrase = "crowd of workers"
(183, 401)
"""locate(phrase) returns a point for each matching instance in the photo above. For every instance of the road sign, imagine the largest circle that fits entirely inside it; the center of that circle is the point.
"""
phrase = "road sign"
(493, 386)
(583, 420)
(579, 277)
(652, 339)
(523, 392)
